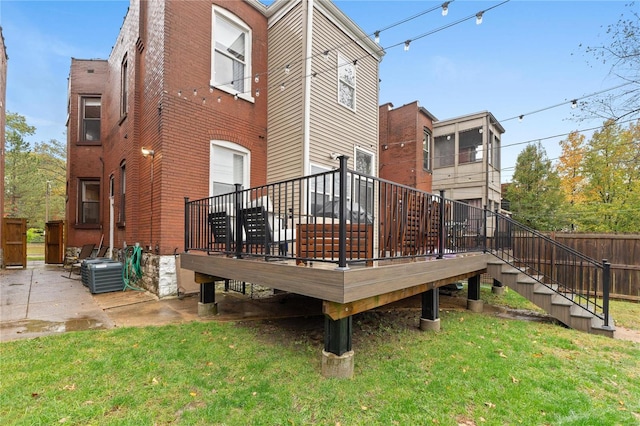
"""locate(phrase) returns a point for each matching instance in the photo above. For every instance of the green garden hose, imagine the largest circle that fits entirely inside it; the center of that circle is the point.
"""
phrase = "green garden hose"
(132, 270)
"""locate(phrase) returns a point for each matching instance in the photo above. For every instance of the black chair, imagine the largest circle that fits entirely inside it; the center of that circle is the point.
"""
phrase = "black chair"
(257, 228)
(220, 224)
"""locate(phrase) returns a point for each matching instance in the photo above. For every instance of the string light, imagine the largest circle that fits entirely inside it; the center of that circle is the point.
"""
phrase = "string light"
(326, 55)
(479, 18)
(445, 8)
(195, 92)
(406, 45)
(179, 93)
(219, 99)
(355, 63)
(282, 87)
(235, 97)
(257, 93)
(286, 70)
(204, 101)
(257, 78)
(377, 37)
(574, 104)
(520, 118)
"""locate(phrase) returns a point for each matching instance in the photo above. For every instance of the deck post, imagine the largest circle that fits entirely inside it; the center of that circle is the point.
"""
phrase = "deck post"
(441, 227)
(342, 218)
(497, 288)
(430, 319)
(187, 224)
(207, 305)
(238, 230)
(337, 356)
(474, 303)
(606, 288)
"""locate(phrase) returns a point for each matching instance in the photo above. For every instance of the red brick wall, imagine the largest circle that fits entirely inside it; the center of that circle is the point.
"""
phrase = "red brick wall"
(84, 160)
(168, 47)
(401, 131)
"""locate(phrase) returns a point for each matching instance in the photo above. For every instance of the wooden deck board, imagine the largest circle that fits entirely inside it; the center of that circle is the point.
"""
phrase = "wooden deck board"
(330, 284)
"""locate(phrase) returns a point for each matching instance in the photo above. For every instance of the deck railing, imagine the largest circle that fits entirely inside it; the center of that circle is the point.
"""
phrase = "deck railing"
(345, 217)
(568, 272)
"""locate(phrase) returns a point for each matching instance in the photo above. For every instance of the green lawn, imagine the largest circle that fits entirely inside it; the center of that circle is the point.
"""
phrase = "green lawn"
(478, 370)
(35, 251)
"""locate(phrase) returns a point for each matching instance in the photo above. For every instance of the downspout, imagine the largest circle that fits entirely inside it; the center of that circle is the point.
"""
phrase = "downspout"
(306, 97)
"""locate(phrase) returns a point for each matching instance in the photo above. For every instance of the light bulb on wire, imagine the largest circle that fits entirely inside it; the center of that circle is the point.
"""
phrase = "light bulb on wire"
(479, 18)
(377, 36)
(406, 45)
(445, 8)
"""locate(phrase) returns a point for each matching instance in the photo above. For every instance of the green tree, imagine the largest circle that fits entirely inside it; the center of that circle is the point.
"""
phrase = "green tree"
(35, 177)
(612, 173)
(534, 193)
(19, 169)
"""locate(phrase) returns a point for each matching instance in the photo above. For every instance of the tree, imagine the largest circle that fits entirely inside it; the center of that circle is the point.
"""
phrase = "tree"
(18, 167)
(35, 178)
(622, 52)
(569, 167)
(534, 193)
(612, 174)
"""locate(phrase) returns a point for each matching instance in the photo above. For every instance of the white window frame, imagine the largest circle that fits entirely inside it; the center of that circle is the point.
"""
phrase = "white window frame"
(367, 182)
(84, 100)
(239, 149)
(426, 153)
(346, 64)
(242, 26)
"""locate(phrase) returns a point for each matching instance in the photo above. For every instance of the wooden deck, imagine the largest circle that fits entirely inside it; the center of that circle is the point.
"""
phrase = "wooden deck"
(343, 292)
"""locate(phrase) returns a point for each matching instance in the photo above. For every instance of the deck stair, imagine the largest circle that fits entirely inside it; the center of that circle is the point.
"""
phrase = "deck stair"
(567, 308)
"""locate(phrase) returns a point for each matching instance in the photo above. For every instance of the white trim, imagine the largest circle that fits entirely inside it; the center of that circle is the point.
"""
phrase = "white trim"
(232, 146)
(306, 132)
(247, 95)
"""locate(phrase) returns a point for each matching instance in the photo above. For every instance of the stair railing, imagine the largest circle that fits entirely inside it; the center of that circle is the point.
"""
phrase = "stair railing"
(566, 271)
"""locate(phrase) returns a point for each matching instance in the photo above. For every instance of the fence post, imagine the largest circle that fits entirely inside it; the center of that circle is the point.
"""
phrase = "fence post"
(495, 232)
(342, 214)
(238, 231)
(441, 232)
(606, 286)
(187, 227)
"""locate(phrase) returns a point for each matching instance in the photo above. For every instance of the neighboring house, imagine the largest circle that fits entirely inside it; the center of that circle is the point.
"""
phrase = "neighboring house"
(460, 156)
(406, 145)
(3, 111)
(198, 96)
(466, 159)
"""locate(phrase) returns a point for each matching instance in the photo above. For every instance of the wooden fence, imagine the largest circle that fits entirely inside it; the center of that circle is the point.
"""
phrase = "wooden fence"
(621, 250)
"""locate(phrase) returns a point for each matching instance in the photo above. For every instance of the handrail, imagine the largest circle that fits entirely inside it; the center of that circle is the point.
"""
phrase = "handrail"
(566, 271)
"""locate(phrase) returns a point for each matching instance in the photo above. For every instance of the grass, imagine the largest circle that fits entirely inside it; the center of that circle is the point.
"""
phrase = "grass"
(35, 251)
(478, 369)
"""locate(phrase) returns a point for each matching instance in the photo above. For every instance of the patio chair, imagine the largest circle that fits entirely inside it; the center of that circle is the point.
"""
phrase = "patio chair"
(220, 224)
(76, 261)
(102, 251)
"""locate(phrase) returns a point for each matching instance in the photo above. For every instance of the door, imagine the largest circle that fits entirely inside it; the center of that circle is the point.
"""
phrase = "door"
(54, 242)
(14, 244)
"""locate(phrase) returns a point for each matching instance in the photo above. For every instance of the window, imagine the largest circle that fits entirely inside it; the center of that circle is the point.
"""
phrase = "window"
(444, 150)
(229, 165)
(496, 152)
(123, 193)
(320, 189)
(231, 54)
(91, 106)
(346, 83)
(124, 88)
(426, 149)
(470, 149)
(89, 208)
(363, 186)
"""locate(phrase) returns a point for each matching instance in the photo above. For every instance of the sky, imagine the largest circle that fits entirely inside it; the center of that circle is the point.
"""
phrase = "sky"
(524, 57)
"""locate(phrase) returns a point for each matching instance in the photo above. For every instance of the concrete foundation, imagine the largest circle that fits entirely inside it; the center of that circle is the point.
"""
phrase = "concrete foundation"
(337, 366)
(429, 325)
(207, 309)
(475, 305)
(498, 291)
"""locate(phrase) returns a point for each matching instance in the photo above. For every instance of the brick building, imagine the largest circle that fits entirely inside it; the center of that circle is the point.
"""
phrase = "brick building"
(406, 153)
(197, 96)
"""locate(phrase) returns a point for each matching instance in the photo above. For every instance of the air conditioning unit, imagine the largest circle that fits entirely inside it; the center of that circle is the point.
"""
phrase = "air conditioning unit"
(105, 277)
(84, 267)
